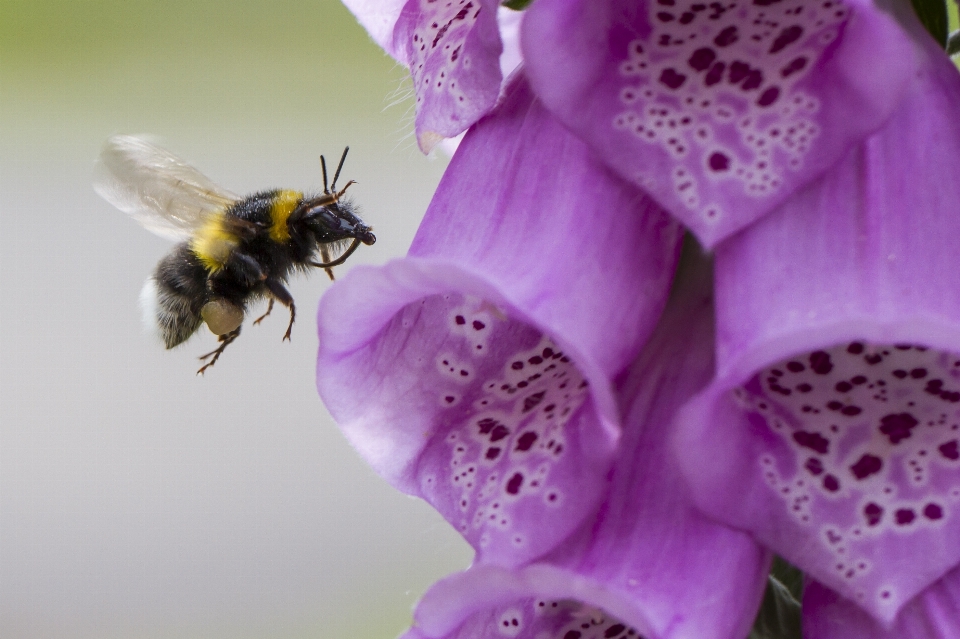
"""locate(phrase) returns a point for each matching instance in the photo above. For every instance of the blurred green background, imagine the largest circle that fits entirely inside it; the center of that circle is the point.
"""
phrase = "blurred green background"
(137, 500)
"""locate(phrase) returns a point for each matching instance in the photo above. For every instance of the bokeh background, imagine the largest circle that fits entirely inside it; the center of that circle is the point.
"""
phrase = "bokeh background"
(137, 500)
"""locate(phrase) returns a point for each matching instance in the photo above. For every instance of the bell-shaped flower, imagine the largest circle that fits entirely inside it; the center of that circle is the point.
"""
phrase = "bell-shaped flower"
(477, 372)
(933, 614)
(647, 564)
(454, 53)
(719, 110)
(832, 430)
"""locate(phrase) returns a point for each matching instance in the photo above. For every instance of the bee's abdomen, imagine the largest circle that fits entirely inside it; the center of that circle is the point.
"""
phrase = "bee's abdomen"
(173, 297)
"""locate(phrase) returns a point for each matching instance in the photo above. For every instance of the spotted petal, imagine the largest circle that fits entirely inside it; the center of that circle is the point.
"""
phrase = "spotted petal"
(933, 614)
(649, 565)
(719, 110)
(477, 371)
(832, 431)
(453, 51)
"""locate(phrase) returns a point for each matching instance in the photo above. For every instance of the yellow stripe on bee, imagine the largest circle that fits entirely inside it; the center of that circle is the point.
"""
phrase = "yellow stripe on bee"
(213, 243)
(284, 203)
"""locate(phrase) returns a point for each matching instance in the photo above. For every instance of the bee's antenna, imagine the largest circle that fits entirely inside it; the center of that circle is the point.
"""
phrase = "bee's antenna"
(333, 187)
(323, 167)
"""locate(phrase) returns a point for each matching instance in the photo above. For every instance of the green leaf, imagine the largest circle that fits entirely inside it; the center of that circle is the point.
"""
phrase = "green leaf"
(516, 5)
(933, 15)
(779, 616)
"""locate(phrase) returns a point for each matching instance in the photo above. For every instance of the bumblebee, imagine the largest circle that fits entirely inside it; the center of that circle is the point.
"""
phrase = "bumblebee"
(232, 251)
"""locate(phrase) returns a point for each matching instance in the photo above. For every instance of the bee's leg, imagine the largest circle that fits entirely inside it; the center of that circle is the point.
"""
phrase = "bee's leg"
(225, 340)
(262, 317)
(325, 256)
(339, 260)
(282, 295)
(246, 268)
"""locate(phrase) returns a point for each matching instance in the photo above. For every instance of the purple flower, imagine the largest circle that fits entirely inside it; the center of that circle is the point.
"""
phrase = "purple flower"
(933, 614)
(477, 372)
(649, 564)
(453, 51)
(720, 110)
(505, 371)
(832, 430)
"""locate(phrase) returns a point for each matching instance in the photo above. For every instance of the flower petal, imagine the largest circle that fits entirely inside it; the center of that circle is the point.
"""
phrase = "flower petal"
(379, 18)
(831, 431)
(933, 614)
(453, 51)
(719, 111)
(650, 565)
(477, 372)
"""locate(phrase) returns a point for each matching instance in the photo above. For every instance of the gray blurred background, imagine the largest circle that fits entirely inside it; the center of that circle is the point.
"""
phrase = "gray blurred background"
(137, 500)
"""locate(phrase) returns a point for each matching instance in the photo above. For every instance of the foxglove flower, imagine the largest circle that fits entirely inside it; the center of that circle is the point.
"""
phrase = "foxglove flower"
(934, 614)
(477, 372)
(648, 565)
(453, 51)
(832, 430)
(720, 110)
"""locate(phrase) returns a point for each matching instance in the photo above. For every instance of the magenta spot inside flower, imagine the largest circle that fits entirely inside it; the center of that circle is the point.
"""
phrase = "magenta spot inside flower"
(867, 465)
(492, 453)
(950, 450)
(769, 96)
(855, 348)
(786, 37)
(719, 161)
(820, 362)
(670, 78)
(460, 320)
(701, 59)
(530, 402)
(904, 516)
(873, 513)
(727, 36)
(813, 441)
(715, 74)
(525, 441)
(795, 367)
(514, 484)
(897, 426)
(814, 465)
(933, 512)
(831, 483)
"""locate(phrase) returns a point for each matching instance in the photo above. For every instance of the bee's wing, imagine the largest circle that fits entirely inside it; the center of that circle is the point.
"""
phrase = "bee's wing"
(165, 194)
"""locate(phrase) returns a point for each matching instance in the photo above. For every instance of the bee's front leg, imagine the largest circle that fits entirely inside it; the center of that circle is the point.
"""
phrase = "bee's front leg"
(282, 295)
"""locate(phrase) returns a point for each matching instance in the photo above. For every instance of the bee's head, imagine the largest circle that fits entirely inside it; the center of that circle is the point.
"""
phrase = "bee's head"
(337, 221)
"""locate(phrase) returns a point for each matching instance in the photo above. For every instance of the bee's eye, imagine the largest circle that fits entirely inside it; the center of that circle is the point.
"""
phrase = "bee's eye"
(328, 219)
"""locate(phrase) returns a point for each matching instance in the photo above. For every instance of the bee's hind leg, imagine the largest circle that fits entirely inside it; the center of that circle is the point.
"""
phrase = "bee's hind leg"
(263, 317)
(225, 340)
(282, 295)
